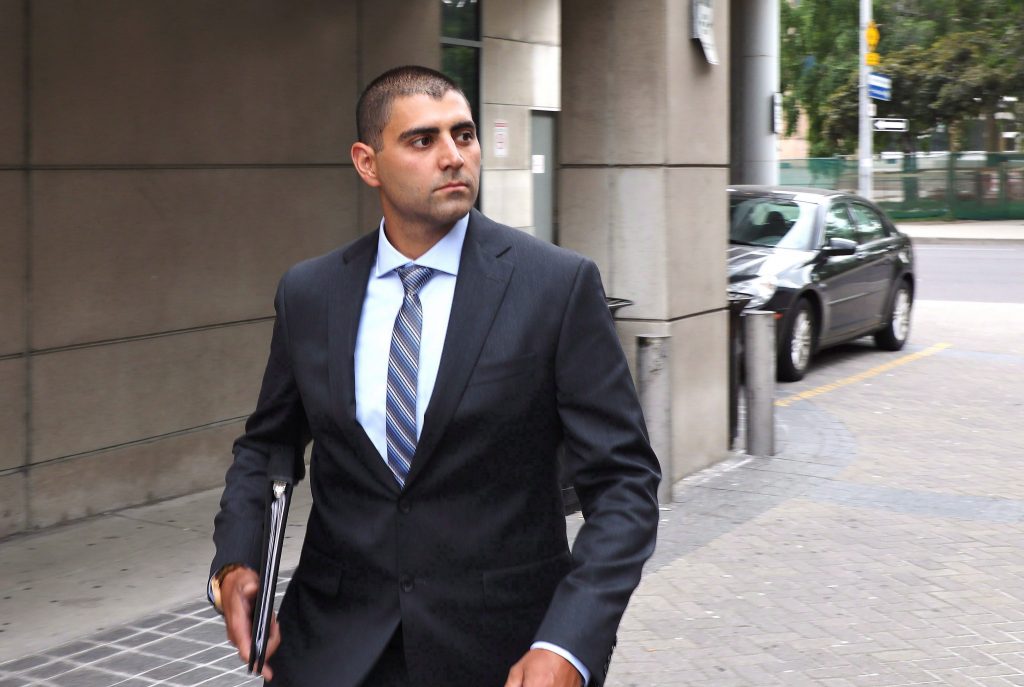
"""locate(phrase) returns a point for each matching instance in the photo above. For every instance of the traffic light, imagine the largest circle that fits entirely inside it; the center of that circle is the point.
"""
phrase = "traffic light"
(871, 59)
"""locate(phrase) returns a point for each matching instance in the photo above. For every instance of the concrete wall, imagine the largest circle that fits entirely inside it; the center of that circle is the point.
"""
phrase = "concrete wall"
(645, 162)
(161, 164)
(520, 72)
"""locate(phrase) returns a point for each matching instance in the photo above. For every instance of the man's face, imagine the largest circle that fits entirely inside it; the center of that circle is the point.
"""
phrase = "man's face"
(429, 164)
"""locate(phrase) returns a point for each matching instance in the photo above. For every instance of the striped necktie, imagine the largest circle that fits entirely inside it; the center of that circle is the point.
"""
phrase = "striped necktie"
(403, 367)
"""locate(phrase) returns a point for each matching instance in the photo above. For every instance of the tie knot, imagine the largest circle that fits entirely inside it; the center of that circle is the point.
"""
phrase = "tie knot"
(414, 277)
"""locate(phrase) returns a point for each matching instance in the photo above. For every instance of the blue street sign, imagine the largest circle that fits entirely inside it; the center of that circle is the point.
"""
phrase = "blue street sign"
(879, 86)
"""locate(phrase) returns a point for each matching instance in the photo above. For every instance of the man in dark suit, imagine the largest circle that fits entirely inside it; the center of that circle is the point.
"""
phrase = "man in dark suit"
(437, 364)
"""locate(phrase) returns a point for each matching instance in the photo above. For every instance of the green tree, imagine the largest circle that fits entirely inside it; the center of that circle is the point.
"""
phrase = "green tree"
(913, 93)
(973, 73)
(950, 60)
(819, 50)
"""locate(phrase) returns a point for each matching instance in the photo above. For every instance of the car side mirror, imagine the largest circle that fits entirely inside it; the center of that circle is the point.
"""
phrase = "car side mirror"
(836, 247)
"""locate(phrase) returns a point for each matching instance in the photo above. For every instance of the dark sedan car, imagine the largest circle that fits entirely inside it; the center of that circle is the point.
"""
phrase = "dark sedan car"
(830, 264)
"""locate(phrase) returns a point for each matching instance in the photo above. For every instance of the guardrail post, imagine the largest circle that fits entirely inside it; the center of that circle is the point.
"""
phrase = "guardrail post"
(759, 362)
(654, 382)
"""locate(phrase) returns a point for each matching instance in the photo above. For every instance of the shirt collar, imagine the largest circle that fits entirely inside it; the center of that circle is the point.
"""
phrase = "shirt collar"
(443, 256)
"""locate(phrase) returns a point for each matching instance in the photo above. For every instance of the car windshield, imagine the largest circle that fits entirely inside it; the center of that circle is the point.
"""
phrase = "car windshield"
(772, 222)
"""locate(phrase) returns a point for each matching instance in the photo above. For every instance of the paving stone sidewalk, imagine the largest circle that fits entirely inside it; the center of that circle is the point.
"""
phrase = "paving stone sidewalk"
(768, 572)
(782, 572)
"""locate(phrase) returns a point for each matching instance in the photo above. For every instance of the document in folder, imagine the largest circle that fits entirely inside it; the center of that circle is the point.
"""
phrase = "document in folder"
(278, 498)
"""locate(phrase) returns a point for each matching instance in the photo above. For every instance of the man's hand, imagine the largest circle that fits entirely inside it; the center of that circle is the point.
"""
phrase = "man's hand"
(543, 668)
(238, 592)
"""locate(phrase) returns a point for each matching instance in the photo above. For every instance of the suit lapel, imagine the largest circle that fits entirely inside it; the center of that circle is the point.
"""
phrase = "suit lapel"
(345, 297)
(479, 291)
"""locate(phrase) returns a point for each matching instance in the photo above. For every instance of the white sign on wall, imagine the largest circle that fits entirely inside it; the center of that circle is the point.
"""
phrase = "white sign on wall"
(703, 28)
(537, 166)
(500, 138)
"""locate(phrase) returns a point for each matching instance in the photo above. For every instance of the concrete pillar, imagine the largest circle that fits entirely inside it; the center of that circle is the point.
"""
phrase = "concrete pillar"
(755, 81)
(645, 156)
(654, 386)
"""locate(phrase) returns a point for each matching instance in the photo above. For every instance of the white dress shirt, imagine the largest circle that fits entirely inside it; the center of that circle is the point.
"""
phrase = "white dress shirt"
(384, 296)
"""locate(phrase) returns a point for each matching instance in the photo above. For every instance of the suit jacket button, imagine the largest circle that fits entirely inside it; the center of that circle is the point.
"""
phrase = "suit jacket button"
(406, 583)
(404, 506)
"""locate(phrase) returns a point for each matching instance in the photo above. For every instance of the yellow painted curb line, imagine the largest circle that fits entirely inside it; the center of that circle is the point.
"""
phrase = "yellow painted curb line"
(860, 377)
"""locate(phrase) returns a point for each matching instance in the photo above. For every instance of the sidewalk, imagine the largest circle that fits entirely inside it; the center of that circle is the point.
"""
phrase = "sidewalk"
(1006, 230)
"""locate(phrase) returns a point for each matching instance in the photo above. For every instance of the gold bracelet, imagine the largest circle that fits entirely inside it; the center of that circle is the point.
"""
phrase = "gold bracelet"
(216, 581)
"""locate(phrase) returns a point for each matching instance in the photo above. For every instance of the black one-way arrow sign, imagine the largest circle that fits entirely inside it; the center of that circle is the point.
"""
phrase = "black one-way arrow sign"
(890, 125)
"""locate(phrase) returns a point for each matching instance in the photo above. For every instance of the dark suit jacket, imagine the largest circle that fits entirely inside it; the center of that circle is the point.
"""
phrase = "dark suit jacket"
(471, 557)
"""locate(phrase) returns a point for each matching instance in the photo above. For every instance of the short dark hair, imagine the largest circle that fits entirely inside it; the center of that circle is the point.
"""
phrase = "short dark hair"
(374, 107)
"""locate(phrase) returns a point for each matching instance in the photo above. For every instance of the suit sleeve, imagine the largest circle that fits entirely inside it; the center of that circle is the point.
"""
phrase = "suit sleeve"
(615, 474)
(276, 430)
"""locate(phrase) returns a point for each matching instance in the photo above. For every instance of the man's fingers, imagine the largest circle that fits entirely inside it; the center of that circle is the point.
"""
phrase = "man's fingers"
(515, 675)
(273, 642)
(238, 595)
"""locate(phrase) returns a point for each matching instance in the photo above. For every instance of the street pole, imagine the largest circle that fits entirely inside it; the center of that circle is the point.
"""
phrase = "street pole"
(865, 165)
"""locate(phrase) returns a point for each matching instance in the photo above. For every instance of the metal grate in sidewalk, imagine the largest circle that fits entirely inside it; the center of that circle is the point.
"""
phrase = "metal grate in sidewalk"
(182, 647)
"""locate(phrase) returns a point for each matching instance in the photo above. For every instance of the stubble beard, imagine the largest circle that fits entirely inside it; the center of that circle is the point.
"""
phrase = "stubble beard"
(435, 211)
(449, 210)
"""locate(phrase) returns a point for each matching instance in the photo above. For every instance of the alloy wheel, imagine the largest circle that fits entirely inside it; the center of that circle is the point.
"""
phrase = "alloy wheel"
(803, 334)
(901, 314)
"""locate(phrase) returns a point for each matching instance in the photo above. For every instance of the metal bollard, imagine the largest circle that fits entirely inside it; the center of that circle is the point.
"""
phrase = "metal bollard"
(759, 361)
(654, 379)
(737, 303)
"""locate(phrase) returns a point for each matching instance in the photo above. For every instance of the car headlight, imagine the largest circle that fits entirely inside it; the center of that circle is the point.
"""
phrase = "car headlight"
(760, 289)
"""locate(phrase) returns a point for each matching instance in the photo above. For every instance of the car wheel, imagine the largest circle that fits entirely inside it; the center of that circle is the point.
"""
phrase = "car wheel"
(797, 342)
(894, 334)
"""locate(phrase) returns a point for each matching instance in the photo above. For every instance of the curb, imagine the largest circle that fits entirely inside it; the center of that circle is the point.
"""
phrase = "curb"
(964, 239)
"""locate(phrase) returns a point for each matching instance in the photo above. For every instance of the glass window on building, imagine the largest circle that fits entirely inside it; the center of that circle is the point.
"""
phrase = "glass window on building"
(460, 19)
(460, 47)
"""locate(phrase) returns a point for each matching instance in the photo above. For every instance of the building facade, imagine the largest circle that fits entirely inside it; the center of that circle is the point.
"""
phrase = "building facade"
(163, 162)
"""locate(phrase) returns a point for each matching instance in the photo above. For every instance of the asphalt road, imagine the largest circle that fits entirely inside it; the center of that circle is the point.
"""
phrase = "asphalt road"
(958, 271)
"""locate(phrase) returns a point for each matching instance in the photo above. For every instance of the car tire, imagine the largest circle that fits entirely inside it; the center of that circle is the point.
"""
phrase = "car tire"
(796, 345)
(894, 334)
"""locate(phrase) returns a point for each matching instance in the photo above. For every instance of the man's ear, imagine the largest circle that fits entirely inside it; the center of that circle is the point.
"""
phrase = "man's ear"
(364, 158)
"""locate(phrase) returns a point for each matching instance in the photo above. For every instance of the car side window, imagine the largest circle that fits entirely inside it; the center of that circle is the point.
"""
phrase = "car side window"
(869, 225)
(838, 224)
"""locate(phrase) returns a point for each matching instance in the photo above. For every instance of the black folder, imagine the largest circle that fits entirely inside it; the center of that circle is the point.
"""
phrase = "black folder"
(279, 495)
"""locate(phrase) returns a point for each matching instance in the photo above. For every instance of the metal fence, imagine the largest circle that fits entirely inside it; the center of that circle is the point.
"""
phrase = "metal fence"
(970, 185)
